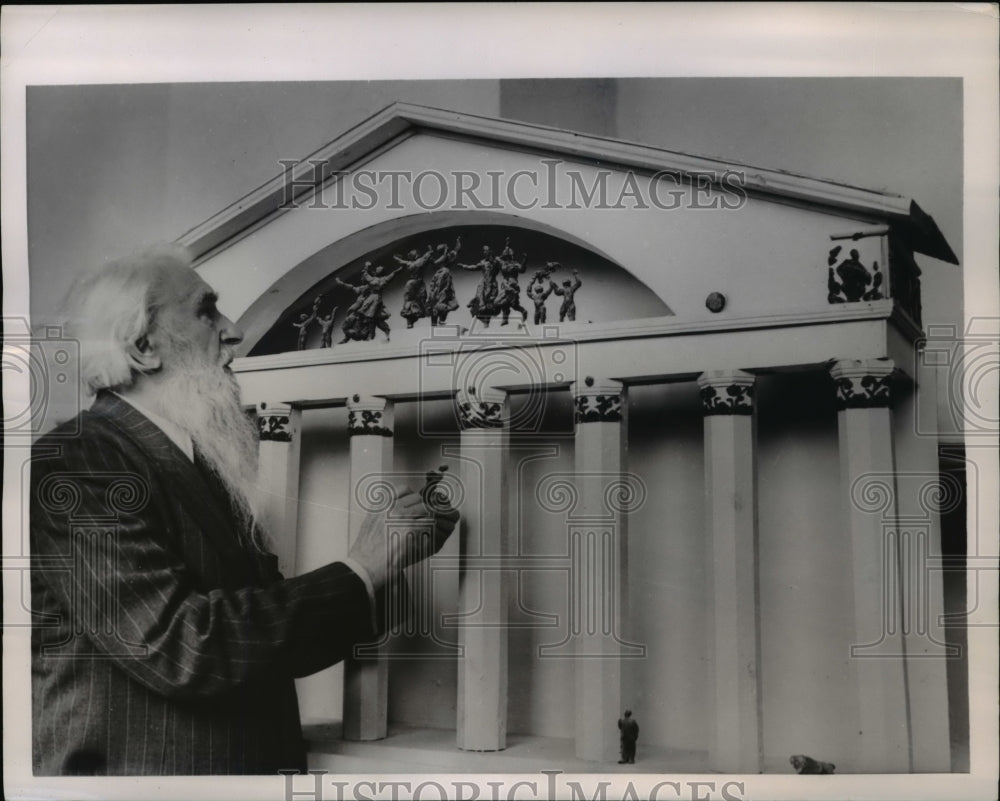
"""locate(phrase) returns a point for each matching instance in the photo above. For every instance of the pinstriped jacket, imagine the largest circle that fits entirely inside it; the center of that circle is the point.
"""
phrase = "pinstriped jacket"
(159, 644)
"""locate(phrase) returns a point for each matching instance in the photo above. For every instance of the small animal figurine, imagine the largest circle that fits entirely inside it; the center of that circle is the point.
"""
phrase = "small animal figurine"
(807, 766)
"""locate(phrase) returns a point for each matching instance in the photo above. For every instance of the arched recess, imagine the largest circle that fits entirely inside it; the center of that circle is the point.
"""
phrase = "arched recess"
(266, 323)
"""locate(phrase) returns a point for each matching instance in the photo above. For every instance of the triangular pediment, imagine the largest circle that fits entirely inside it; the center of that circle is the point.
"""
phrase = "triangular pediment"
(399, 121)
(654, 233)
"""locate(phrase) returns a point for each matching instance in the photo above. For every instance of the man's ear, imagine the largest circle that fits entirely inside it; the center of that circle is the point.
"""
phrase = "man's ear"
(143, 357)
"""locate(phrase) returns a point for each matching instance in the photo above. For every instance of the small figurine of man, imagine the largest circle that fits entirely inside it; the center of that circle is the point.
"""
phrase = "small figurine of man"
(629, 733)
(567, 311)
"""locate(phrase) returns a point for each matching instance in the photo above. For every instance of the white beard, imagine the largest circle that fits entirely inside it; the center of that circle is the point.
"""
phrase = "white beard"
(203, 399)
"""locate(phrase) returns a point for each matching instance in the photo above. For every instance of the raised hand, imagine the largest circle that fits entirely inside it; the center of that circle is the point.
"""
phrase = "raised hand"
(421, 523)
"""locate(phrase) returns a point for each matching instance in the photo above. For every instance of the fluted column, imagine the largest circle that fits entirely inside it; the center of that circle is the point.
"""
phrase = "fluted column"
(278, 426)
(868, 489)
(598, 547)
(731, 524)
(484, 589)
(366, 678)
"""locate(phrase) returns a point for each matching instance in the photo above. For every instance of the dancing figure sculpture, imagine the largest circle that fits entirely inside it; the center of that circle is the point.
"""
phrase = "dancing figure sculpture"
(326, 329)
(509, 292)
(441, 292)
(355, 327)
(567, 311)
(539, 290)
(415, 291)
(368, 312)
(483, 305)
(305, 320)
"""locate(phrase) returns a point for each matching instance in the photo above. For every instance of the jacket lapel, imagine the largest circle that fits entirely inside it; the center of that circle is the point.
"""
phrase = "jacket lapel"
(202, 496)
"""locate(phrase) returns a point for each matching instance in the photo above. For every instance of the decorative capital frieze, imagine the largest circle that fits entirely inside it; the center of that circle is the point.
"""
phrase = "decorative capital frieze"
(598, 401)
(726, 392)
(368, 416)
(480, 408)
(863, 384)
(273, 422)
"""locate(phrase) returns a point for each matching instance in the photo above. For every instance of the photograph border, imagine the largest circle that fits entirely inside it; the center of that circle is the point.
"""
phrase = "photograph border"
(44, 45)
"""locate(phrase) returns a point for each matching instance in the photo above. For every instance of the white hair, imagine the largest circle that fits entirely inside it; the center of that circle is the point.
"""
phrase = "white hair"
(113, 307)
(110, 311)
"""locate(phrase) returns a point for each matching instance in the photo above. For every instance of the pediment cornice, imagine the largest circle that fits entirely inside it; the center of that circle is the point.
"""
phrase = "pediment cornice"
(400, 121)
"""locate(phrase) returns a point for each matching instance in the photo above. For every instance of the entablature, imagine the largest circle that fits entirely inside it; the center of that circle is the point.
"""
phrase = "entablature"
(657, 350)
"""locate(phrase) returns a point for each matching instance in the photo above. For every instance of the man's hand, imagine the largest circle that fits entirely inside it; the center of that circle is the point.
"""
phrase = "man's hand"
(437, 521)
(421, 522)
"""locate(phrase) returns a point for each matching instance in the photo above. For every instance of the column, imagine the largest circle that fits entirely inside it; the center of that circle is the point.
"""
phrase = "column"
(366, 679)
(598, 547)
(923, 493)
(278, 426)
(484, 589)
(877, 661)
(731, 523)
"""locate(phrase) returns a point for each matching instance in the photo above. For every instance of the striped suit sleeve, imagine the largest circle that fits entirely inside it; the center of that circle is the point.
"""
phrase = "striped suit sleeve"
(134, 588)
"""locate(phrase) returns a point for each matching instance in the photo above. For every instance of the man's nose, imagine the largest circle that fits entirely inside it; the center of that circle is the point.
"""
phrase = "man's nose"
(230, 333)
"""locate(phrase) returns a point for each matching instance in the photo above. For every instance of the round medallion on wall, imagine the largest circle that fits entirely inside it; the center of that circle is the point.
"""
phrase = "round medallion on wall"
(715, 302)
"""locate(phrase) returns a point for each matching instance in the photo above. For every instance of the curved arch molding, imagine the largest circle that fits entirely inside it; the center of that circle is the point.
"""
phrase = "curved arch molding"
(308, 276)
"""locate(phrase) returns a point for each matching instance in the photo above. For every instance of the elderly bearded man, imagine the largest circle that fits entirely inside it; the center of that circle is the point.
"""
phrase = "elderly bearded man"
(171, 644)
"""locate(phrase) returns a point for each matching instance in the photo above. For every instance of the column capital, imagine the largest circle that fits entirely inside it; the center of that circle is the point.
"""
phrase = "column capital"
(274, 422)
(598, 400)
(726, 392)
(480, 408)
(863, 383)
(367, 416)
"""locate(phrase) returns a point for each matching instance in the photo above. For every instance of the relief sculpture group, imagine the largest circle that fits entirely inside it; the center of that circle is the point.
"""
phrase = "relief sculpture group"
(497, 294)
